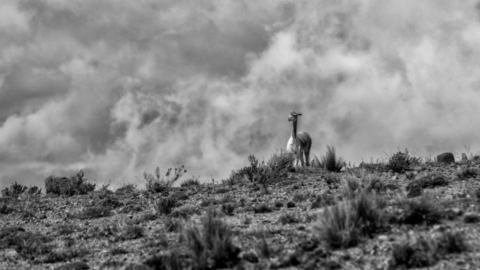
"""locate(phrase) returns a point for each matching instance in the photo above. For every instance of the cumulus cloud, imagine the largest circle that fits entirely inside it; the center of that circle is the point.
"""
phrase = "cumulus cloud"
(118, 87)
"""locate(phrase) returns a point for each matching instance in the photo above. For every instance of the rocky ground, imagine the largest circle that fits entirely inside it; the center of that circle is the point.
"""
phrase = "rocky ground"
(360, 218)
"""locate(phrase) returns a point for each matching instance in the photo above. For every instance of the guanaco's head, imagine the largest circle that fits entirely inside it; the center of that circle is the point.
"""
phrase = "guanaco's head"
(293, 116)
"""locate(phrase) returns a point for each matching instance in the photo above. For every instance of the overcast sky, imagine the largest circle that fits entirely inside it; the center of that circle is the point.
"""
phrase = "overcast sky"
(119, 87)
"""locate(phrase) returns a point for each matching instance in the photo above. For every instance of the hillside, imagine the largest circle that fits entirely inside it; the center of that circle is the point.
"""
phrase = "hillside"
(367, 217)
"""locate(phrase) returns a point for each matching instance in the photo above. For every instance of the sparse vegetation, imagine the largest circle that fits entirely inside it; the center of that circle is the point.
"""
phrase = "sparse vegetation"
(303, 217)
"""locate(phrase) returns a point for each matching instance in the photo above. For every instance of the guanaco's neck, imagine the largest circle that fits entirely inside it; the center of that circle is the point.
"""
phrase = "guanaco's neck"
(294, 130)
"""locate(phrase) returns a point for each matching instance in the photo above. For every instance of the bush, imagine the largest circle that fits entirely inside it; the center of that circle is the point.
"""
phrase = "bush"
(125, 189)
(5, 208)
(401, 162)
(346, 223)
(25, 243)
(192, 182)
(431, 181)
(451, 242)
(288, 218)
(171, 224)
(329, 161)
(228, 209)
(282, 162)
(467, 173)
(34, 191)
(262, 208)
(94, 212)
(14, 191)
(75, 185)
(420, 251)
(373, 167)
(132, 232)
(169, 260)
(165, 206)
(155, 183)
(322, 200)
(211, 245)
(263, 173)
(421, 211)
(417, 252)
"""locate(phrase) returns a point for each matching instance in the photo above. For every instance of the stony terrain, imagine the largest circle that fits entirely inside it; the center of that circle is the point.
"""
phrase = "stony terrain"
(426, 216)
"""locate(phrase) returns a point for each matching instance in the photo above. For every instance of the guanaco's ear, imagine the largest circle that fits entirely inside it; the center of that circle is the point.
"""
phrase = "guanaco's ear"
(298, 114)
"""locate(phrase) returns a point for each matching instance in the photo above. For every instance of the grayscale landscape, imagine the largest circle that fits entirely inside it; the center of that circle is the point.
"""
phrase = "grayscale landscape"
(221, 134)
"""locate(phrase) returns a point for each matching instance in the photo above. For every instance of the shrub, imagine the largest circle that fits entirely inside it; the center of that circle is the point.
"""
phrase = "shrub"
(471, 218)
(346, 223)
(373, 167)
(156, 183)
(25, 243)
(262, 208)
(165, 206)
(169, 260)
(329, 161)
(5, 208)
(278, 204)
(451, 242)
(65, 255)
(420, 251)
(110, 202)
(467, 173)
(228, 209)
(299, 197)
(417, 252)
(288, 218)
(132, 232)
(400, 162)
(192, 182)
(34, 191)
(94, 212)
(125, 189)
(322, 200)
(282, 162)
(171, 224)
(264, 173)
(14, 191)
(75, 185)
(421, 211)
(431, 181)
(211, 245)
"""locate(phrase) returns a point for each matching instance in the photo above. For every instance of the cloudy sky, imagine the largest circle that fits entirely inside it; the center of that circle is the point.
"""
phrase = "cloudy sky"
(119, 87)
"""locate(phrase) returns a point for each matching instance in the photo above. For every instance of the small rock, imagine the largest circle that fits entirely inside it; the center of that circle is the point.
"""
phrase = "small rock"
(446, 157)
(383, 238)
(12, 254)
